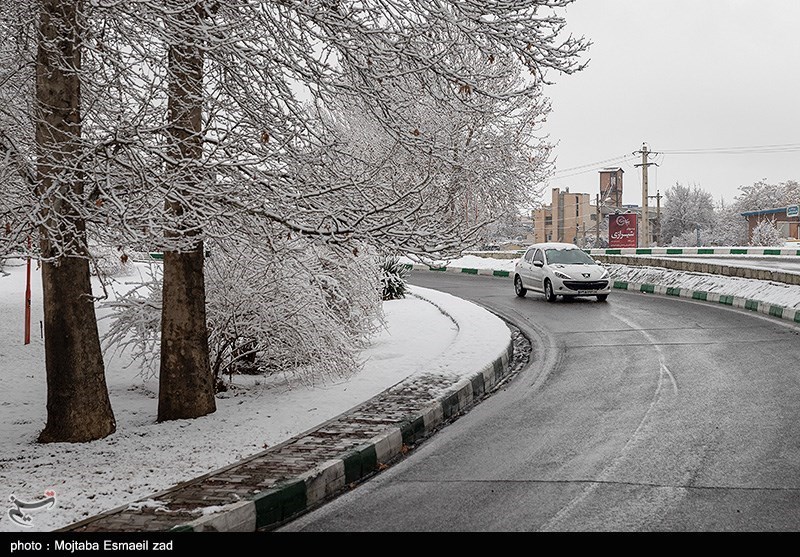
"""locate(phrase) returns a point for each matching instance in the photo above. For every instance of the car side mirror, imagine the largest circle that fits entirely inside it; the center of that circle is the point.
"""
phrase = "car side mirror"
(538, 264)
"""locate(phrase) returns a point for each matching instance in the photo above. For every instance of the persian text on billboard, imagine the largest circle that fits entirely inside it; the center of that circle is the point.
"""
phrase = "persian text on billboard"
(622, 231)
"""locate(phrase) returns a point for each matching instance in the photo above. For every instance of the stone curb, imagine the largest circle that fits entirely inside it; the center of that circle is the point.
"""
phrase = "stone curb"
(513, 254)
(756, 273)
(781, 312)
(696, 251)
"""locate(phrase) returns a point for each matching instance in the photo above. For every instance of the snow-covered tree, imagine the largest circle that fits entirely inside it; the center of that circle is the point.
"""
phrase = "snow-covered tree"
(691, 238)
(592, 242)
(729, 228)
(765, 233)
(47, 197)
(200, 119)
(685, 210)
(763, 195)
(293, 307)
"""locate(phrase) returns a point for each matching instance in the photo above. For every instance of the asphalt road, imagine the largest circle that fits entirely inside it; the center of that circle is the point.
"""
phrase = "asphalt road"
(643, 413)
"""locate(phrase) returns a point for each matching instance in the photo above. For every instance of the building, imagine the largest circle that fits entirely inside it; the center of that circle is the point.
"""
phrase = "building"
(568, 218)
(611, 187)
(571, 217)
(786, 220)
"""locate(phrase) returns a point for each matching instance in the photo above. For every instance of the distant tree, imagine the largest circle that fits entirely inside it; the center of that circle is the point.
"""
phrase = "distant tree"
(685, 209)
(763, 195)
(766, 233)
(592, 242)
(729, 228)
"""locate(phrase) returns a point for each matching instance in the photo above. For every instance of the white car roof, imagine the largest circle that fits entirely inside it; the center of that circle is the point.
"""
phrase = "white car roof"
(554, 245)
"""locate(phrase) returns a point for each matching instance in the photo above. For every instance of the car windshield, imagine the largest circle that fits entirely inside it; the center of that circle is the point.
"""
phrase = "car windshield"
(569, 257)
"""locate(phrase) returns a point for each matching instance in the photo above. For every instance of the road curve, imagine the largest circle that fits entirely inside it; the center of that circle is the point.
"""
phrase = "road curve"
(639, 414)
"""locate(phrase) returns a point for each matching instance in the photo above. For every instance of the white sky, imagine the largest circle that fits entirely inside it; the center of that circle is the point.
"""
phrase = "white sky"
(679, 75)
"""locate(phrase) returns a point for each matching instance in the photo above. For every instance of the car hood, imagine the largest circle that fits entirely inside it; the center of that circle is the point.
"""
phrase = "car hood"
(578, 271)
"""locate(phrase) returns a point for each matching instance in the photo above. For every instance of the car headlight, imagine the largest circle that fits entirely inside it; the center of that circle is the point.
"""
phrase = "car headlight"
(561, 275)
(604, 275)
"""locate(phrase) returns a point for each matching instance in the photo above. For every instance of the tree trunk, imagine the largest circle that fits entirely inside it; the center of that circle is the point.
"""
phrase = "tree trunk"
(186, 386)
(78, 407)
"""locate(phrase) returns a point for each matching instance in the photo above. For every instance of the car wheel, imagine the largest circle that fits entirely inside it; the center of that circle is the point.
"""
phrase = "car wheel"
(602, 297)
(548, 291)
(518, 288)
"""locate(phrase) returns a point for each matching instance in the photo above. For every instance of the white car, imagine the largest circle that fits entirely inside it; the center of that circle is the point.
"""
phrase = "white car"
(558, 269)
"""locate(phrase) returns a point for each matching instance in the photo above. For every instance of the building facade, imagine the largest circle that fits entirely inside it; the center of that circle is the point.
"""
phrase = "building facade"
(570, 217)
(785, 219)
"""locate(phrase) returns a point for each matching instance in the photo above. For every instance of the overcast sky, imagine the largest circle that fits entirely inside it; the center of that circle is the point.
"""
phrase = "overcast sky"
(680, 75)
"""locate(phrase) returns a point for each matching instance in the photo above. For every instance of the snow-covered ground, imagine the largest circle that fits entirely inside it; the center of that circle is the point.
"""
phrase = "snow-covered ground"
(143, 457)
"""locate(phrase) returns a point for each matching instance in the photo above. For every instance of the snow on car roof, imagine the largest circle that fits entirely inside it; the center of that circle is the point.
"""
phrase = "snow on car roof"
(555, 245)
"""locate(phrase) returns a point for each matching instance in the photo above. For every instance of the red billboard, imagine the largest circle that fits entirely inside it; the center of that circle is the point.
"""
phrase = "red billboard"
(623, 231)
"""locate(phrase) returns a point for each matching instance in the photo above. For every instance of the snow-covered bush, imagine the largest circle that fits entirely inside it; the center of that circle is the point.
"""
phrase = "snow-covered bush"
(110, 261)
(393, 278)
(765, 234)
(295, 307)
(592, 242)
(690, 238)
(136, 320)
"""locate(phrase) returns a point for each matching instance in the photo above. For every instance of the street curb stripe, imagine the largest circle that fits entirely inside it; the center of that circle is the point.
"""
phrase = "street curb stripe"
(694, 251)
(280, 503)
(781, 312)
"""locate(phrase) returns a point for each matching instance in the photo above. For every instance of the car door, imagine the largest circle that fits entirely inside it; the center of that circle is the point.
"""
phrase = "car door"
(524, 267)
(537, 270)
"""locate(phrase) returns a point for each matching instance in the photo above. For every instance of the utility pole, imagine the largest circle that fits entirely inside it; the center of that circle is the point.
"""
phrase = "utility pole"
(658, 197)
(645, 225)
(597, 221)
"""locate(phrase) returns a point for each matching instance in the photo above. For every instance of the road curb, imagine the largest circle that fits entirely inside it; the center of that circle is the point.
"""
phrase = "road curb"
(781, 312)
(696, 251)
(463, 270)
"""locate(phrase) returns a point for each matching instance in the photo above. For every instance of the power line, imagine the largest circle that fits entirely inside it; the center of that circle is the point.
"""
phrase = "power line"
(589, 167)
(748, 150)
(754, 149)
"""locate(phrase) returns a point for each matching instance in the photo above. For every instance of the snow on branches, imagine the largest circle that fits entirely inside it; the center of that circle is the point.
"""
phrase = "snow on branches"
(310, 132)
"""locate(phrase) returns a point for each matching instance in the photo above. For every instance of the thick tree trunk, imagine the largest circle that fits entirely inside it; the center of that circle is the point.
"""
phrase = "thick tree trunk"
(78, 407)
(186, 386)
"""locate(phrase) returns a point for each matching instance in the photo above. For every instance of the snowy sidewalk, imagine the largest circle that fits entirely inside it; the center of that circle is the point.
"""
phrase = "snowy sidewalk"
(263, 490)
